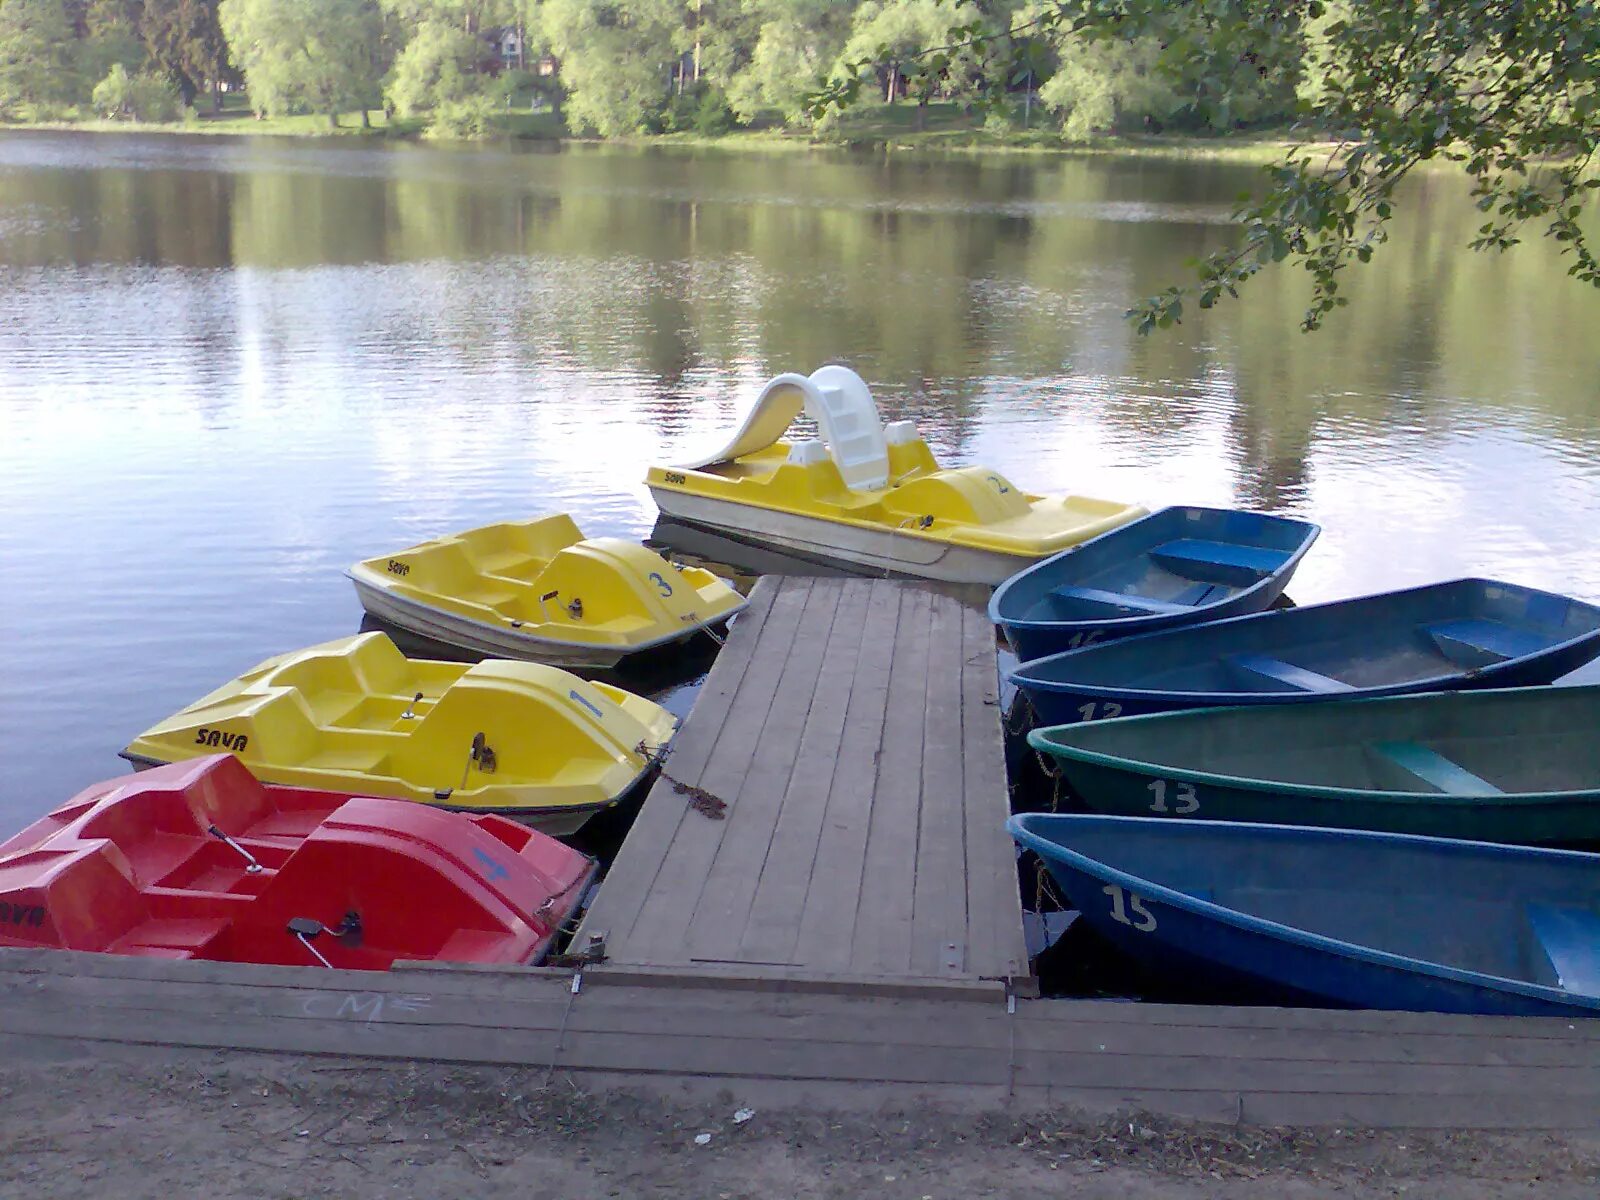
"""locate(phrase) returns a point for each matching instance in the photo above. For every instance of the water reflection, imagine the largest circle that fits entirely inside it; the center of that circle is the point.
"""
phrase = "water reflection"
(229, 368)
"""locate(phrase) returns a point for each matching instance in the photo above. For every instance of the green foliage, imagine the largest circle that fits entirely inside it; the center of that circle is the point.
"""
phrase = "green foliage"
(36, 56)
(183, 39)
(437, 69)
(1110, 89)
(614, 60)
(111, 36)
(1509, 90)
(796, 45)
(142, 97)
(304, 55)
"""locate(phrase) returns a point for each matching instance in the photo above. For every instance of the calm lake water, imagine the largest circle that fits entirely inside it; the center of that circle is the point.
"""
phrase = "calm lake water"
(229, 368)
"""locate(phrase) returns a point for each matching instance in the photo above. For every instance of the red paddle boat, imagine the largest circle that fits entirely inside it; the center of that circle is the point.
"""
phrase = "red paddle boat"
(199, 860)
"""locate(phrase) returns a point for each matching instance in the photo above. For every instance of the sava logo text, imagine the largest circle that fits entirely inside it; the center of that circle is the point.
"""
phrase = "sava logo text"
(228, 741)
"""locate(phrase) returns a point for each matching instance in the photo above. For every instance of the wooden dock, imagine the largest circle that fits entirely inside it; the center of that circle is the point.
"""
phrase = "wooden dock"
(850, 829)
(844, 931)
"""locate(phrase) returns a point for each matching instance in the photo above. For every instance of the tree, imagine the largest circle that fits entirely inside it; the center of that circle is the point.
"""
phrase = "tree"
(111, 38)
(615, 59)
(796, 43)
(894, 31)
(36, 66)
(184, 39)
(142, 97)
(304, 55)
(1110, 89)
(1508, 89)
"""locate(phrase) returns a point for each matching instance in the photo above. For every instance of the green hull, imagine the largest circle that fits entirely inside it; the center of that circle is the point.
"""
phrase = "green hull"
(1520, 766)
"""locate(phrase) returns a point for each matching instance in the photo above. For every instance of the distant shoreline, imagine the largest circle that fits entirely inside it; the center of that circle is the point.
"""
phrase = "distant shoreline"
(532, 129)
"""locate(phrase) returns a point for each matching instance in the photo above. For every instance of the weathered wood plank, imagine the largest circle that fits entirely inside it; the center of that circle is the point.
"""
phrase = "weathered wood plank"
(882, 941)
(833, 895)
(637, 865)
(717, 927)
(939, 942)
(659, 932)
(994, 902)
(773, 925)
(919, 1027)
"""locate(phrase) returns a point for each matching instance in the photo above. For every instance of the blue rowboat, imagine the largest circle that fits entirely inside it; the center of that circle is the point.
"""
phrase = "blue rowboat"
(1463, 634)
(1178, 566)
(1336, 917)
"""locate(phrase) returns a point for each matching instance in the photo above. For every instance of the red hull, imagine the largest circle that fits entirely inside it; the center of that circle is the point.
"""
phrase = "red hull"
(131, 866)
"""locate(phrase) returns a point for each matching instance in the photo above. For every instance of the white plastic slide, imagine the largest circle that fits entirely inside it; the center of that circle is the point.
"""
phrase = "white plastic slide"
(841, 404)
(775, 409)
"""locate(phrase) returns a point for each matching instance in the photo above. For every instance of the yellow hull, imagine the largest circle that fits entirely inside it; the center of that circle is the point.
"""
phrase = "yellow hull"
(539, 590)
(516, 738)
(966, 524)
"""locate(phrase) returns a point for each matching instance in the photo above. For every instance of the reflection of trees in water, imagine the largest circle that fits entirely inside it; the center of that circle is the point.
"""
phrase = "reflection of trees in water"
(696, 275)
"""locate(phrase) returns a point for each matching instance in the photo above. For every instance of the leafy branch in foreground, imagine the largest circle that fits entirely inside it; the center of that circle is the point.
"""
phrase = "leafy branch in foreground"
(1506, 88)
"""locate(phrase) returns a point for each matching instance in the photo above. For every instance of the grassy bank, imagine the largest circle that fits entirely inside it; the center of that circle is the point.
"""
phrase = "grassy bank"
(938, 128)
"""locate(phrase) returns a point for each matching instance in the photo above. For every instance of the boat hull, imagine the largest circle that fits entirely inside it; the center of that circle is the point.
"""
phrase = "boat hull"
(834, 544)
(1546, 821)
(1184, 936)
(354, 715)
(199, 860)
(1178, 566)
(477, 637)
(1460, 635)
(553, 822)
(1329, 760)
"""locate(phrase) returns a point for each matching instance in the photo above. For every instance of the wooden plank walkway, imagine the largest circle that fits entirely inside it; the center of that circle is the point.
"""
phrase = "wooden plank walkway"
(852, 729)
(1234, 1065)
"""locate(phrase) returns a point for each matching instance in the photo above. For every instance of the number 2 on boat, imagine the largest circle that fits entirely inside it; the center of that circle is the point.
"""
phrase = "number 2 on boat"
(1184, 799)
(1123, 903)
(1106, 708)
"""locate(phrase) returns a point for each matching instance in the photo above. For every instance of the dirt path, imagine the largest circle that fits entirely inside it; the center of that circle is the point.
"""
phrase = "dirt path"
(103, 1121)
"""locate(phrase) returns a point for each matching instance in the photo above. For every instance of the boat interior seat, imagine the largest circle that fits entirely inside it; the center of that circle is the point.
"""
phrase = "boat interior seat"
(514, 565)
(1483, 643)
(174, 937)
(1072, 601)
(1218, 562)
(1570, 938)
(1444, 775)
(1262, 666)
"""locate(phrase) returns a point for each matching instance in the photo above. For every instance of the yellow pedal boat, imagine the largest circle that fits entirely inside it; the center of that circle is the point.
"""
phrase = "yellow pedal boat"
(520, 739)
(866, 496)
(540, 590)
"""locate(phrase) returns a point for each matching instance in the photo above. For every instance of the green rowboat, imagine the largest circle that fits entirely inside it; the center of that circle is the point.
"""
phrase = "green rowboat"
(1520, 765)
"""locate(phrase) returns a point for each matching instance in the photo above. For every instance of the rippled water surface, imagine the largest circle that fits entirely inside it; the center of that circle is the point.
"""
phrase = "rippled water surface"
(229, 368)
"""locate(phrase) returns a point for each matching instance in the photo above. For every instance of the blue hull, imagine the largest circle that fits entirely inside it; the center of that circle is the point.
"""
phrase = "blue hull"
(1468, 633)
(1402, 905)
(1176, 567)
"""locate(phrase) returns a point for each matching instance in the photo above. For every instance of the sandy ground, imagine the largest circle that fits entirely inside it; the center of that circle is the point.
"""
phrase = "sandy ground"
(130, 1123)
